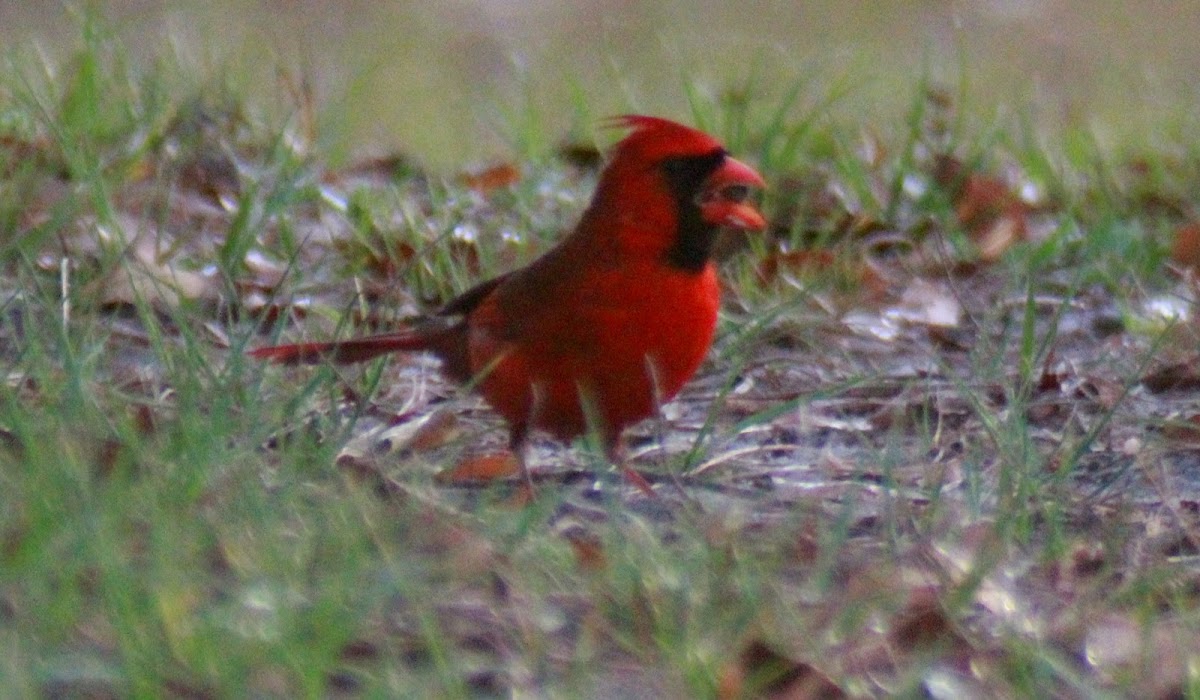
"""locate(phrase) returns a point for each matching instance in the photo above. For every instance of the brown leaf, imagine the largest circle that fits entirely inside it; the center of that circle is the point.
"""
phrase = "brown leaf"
(584, 156)
(1000, 233)
(180, 689)
(1181, 376)
(862, 279)
(992, 214)
(927, 303)
(487, 467)
(1184, 429)
(589, 549)
(268, 311)
(383, 168)
(923, 623)
(807, 548)
(379, 253)
(981, 197)
(214, 175)
(1185, 248)
(492, 178)
(466, 253)
(760, 671)
(360, 649)
(1104, 391)
(1087, 560)
(146, 278)
(438, 429)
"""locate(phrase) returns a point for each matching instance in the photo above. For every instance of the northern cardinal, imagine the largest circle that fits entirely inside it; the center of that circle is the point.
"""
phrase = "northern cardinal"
(609, 323)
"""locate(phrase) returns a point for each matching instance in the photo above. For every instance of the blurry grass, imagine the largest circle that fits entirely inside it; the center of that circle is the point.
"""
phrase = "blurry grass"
(150, 544)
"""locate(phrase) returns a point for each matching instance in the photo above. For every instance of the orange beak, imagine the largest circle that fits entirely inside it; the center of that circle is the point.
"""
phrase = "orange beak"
(724, 201)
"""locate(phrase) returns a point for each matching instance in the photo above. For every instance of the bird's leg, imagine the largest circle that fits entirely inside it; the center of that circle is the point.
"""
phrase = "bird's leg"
(615, 453)
(609, 440)
(517, 444)
(660, 425)
(519, 433)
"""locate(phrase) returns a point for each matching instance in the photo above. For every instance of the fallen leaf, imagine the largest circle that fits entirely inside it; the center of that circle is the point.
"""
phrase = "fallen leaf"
(466, 253)
(435, 430)
(999, 234)
(360, 649)
(927, 303)
(269, 311)
(1185, 248)
(214, 175)
(923, 623)
(760, 671)
(383, 255)
(492, 178)
(1181, 376)
(588, 548)
(475, 468)
(992, 214)
(267, 272)
(383, 169)
(37, 154)
(144, 277)
(403, 437)
(584, 156)
(1183, 429)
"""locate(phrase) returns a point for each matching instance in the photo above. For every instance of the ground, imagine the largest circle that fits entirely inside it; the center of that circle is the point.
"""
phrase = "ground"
(944, 445)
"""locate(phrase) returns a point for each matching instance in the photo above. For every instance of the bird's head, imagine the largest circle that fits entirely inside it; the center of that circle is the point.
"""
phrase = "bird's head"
(673, 188)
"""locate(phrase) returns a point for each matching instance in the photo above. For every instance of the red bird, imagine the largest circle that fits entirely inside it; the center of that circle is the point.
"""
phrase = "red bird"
(612, 321)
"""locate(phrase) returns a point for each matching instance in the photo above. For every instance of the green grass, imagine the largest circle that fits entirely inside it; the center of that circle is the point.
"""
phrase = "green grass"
(900, 513)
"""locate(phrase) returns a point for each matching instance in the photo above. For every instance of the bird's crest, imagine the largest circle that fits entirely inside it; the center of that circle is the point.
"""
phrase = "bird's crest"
(654, 138)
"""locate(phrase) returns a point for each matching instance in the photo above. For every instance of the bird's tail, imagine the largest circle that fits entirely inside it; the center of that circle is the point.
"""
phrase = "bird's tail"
(353, 349)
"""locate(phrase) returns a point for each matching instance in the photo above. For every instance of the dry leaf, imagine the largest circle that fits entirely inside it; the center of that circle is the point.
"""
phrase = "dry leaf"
(992, 214)
(589, 549)
(37, 154)
(927, 303)
(492, 178)
(1181, 376)
(1185, 249)
(267, 273)
(214, 175)
(923, 623)
(425, 432)
(1183, 429)
(487, 467)
(437, 429)
(146, 278)
(380, 169)
(762, 672)
(584, 156)
(999, 234)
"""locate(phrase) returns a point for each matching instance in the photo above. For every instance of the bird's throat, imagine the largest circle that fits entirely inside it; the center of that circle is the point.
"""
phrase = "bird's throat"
(692, 244)
(691, 250)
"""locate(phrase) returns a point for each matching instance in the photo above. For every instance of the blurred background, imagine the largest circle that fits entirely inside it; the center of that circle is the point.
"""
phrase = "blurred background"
(458, 81)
